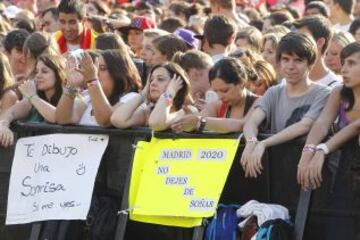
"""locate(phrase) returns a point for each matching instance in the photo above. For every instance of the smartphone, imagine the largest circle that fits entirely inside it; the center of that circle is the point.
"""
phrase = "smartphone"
(78, 54)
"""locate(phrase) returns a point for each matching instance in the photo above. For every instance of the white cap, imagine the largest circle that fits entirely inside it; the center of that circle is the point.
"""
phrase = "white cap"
(11, 11)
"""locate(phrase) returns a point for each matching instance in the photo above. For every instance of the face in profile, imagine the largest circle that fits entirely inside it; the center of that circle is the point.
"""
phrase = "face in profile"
(332, 57)
(157, 57)
(105, 78)
(351, 70)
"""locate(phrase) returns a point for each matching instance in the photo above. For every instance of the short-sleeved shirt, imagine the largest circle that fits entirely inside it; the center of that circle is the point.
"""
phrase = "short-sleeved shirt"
(331, 80)
(282, 111)
(88, 118)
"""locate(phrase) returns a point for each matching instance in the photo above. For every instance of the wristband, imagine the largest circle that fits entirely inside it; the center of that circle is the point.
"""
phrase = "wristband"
(5, 122)
(92, 82)
(309, 148)
(252, 140)
(201, 124)
(29, 98)
(70, 90)
(322, 147)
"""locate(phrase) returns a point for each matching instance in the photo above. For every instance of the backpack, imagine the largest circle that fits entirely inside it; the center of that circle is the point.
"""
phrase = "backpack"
(224, 225)
(276, 229)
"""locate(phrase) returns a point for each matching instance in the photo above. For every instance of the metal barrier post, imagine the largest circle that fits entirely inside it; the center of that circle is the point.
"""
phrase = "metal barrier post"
(198, 233)
(123, 216)
(301, 214)
(35, 231)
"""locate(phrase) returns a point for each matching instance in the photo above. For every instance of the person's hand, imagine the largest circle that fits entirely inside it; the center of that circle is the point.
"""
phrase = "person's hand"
(88, 68)
(6, 135)
(186, 123)
(73, 76)
(246, 156)
(254, 167)
(28, 89)
(199, 101)
(146, 91)
(305, 159)
(20, 78)
(174, 86)
(314, 169)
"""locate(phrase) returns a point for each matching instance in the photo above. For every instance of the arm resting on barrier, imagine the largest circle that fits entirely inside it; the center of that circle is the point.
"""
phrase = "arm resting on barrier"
(224, 125)
(18, 111)
(343, 136)
(69, 110)
(130, 114)
(291, 132)
(44, 108)
(250, 132)
(101, 105)
(8, 99)
(15, 112)
(327, 117)
(318, 132)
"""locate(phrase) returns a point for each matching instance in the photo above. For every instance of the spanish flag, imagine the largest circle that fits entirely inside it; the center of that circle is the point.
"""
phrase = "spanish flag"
(87, 40)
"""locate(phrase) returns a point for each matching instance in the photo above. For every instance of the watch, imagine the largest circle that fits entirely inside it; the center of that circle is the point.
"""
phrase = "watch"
(202, 124)
(322, 147)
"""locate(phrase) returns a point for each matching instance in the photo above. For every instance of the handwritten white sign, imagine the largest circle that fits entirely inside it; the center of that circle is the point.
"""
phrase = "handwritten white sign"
(53, 177)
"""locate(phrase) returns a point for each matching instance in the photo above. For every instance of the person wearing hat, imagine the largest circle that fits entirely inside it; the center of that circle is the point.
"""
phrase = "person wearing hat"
(135, 32)
(73, 35)
(188, 36)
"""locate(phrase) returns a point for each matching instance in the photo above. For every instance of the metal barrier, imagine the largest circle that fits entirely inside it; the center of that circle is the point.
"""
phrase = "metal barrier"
(276, 184)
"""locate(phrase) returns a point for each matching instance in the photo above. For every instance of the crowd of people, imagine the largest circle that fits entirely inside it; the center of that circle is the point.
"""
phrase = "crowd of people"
(287, 67)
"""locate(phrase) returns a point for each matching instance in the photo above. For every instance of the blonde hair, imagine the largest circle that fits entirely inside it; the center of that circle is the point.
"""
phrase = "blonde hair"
(265, 72)
(343, 38)
(6, 77)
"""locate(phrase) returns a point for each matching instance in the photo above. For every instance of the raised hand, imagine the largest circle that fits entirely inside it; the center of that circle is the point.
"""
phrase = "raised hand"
(28, 89)
(174, 86)
(73, 76)
(146, 90)
(88, 68)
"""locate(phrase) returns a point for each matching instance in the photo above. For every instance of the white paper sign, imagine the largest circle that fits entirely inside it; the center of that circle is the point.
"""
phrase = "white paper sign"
(53, 177)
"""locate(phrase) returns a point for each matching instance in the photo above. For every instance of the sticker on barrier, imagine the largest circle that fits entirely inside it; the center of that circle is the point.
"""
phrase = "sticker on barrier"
(181, 179)
(52, 177)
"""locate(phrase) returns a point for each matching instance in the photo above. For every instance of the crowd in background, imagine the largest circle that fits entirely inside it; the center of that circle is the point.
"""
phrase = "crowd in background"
(286, 67)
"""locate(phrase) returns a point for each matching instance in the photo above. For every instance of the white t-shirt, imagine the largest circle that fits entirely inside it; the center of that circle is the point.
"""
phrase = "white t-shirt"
(342, 28)
(218, 57)
(88, 119)
(331, 80)
(72, 47)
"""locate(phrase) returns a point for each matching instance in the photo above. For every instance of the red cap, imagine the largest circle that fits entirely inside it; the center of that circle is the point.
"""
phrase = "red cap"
(140, 23)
